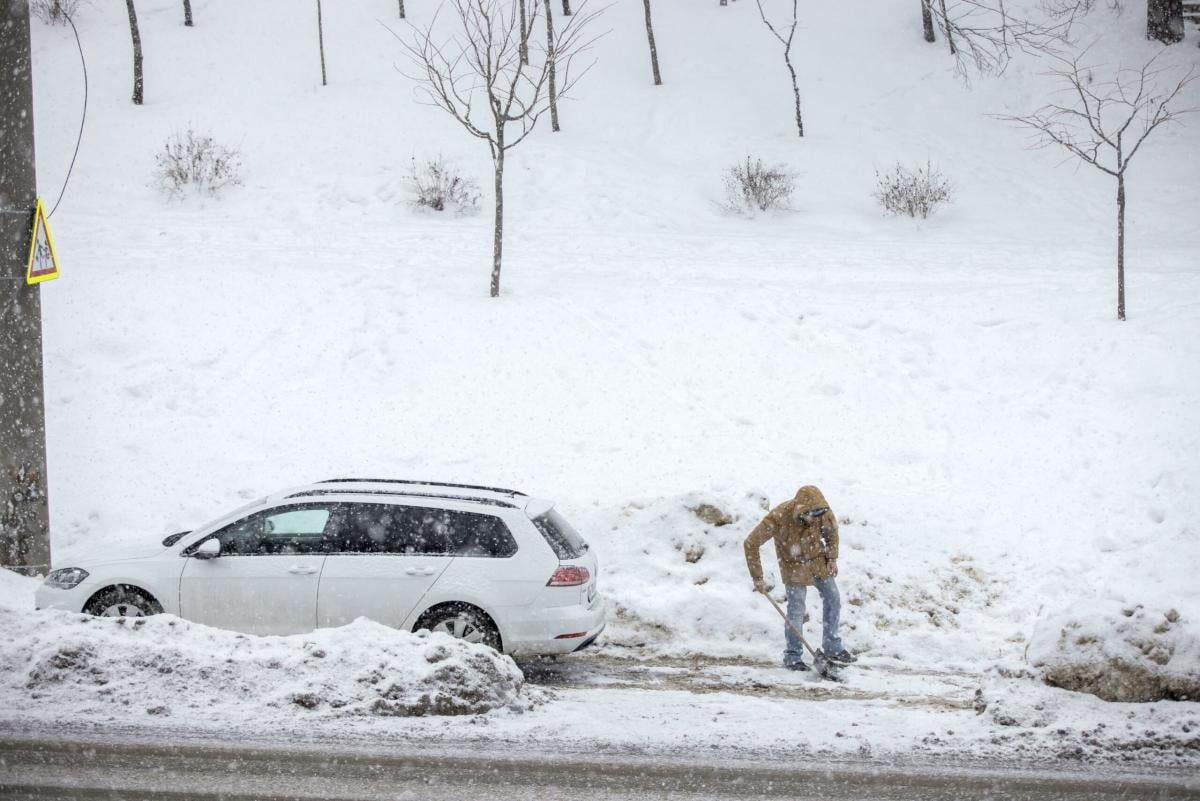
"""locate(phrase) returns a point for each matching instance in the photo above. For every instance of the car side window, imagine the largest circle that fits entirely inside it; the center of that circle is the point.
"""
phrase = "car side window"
(288, 530)
(384, 528)
(416, 530)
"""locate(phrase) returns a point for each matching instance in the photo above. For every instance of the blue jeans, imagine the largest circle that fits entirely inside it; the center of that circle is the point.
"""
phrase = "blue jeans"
(831, 643)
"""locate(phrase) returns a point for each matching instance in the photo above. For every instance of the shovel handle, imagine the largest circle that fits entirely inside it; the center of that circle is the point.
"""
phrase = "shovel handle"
(790, 624)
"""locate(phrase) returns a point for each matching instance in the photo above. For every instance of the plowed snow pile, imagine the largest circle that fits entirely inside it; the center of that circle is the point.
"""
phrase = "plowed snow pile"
(1119, 653)
(69, 666)
(945, 606)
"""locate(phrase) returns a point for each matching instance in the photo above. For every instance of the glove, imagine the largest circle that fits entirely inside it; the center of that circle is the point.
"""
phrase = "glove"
(760, 586)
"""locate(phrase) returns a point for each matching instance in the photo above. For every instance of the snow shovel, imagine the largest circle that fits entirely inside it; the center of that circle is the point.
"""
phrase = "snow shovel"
(825, 669)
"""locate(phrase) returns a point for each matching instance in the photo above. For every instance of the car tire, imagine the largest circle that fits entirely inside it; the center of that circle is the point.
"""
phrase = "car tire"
(462, 622)
(122, 601)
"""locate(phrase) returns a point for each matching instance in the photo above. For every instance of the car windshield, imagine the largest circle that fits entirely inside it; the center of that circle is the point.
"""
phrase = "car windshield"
(562, 537)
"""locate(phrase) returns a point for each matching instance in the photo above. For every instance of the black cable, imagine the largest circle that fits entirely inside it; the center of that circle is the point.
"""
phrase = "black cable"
(82, 119)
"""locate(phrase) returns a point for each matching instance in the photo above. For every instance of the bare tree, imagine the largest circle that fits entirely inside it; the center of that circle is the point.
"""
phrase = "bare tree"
(401, 9)
(477, 76)
(948, 27)
(321, 42)
(653, 49)
(525, 28)
(786, 41)
(1104, 123)
(551, 82)
(984, 35)
(136, 35)
(187, 13)
(927, 21)
(566, 8)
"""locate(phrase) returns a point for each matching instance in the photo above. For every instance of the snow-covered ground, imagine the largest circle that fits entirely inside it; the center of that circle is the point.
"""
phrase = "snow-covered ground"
(365, 684)
(1008, 459)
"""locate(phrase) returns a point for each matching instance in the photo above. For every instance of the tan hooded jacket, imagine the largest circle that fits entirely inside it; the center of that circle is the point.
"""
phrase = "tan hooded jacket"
(804, 548)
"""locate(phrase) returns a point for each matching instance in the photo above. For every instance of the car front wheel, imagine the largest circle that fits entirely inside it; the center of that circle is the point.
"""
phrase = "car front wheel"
(122, 601)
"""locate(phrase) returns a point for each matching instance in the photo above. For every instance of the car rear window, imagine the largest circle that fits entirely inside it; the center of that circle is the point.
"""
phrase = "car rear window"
(560, 535)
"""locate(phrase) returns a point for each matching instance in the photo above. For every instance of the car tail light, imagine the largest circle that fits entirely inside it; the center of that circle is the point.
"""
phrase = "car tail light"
(571, 636)
(569, 576)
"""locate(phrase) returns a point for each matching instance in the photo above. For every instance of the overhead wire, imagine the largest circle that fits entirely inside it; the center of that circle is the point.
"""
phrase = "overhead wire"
(82, 119)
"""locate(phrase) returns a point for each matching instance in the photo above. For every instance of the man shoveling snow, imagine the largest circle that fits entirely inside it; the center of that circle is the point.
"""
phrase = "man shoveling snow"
(806, 542)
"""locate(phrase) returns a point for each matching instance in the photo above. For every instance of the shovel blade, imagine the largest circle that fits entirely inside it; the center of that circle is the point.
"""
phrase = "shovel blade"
(825, 669)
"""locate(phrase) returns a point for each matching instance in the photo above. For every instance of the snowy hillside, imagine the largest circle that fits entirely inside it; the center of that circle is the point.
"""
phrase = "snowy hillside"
(958, 387)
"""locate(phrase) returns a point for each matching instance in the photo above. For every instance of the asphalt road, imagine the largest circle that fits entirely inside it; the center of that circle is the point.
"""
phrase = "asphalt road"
(49, 768)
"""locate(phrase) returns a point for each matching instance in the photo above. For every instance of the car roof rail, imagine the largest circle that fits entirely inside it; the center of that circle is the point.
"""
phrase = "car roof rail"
(420, 484)
(437, 496)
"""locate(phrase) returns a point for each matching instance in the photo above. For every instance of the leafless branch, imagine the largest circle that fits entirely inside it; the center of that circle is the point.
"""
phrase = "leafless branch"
(985, 35)
(1105, 122)
(476, 73)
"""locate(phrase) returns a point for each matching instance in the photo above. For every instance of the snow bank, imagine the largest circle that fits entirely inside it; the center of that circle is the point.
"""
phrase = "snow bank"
(70, 666)
(1120, 653)
(1024, 716)
(17, 591)
(674, 572)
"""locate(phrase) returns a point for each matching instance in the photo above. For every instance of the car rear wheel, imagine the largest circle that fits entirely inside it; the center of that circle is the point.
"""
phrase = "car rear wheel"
(122, 601)
(461, 622)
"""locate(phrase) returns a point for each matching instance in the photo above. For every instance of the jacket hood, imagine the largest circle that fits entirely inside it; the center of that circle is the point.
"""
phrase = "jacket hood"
(808, 498)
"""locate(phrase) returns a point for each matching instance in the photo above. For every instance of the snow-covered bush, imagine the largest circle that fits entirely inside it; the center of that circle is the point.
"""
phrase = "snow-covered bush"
(754, 186)
(1119, 653)
(195, 161)
(437, 185)
(917, 192)
(53, 12)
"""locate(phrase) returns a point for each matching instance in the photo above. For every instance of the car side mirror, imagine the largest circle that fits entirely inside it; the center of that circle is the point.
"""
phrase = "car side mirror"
(209, 549)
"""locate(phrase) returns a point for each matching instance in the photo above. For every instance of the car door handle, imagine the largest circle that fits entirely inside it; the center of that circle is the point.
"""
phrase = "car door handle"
(419, 571)
(298, 570)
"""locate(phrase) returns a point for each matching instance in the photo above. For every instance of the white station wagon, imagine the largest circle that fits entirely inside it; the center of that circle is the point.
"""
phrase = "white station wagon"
(484, 564)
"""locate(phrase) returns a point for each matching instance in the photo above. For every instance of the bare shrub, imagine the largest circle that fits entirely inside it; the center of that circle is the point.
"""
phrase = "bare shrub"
(754, 186)
(916, 193)
(195, 161)
(437, 185)
(53, 12)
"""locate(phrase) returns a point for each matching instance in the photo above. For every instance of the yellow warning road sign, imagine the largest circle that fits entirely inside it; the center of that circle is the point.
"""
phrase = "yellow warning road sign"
(43, 262)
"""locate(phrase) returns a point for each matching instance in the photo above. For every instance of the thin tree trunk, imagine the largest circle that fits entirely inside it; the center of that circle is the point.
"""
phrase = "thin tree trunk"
(550, 55)
(566, 8)
(1121, 245)
(787, 59)
(1164, 20)
(187, 13)
(137, 53)
(523, 48)
(946, 23)
(321, 42)
(401, 9)
(653, 49)
(927, 21)
(498, 229)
